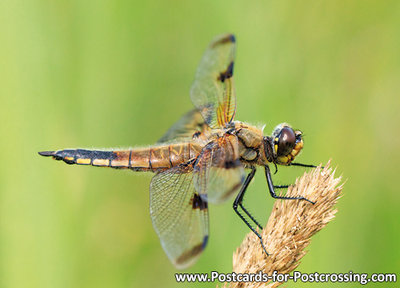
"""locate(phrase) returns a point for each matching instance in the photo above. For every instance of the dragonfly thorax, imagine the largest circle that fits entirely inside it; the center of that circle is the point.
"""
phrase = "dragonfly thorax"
(250, 143)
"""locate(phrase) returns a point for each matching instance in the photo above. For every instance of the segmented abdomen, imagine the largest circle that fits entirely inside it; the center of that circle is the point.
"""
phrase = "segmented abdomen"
(139, 159)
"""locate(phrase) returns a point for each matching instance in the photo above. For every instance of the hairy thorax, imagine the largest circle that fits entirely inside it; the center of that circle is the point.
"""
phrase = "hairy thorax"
(250, 141)
(251, 145)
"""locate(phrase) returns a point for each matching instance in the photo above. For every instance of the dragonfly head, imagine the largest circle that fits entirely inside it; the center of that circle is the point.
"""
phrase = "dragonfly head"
(287, 143)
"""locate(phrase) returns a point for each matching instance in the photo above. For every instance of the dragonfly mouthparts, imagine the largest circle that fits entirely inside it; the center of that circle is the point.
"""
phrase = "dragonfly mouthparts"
(47, 153)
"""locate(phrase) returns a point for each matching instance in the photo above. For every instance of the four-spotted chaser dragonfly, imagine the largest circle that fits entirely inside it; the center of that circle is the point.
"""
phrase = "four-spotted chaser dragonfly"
(202, 158)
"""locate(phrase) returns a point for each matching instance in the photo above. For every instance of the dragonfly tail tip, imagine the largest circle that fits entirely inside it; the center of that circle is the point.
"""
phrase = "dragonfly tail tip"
(47, 153)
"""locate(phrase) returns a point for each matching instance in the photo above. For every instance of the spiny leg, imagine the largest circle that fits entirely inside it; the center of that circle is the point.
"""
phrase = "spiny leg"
(293, 164)
(241, 196)
(303, 165)
(250, 216)
(238, 202)
(281, 186)
(272, 190)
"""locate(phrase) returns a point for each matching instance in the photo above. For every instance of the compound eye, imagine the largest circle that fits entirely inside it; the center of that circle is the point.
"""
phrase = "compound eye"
(286, 142)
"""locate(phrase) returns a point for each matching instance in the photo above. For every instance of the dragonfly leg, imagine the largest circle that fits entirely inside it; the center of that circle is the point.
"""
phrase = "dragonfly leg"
(303, 165)
(239, 203)
(292, 164)
(281, 186)
(272, 190)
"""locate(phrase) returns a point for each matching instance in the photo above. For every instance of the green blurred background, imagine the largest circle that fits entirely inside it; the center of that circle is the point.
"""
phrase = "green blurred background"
(118, 73)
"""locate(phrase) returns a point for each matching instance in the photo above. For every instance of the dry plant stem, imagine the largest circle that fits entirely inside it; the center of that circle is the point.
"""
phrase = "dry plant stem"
(290, 227)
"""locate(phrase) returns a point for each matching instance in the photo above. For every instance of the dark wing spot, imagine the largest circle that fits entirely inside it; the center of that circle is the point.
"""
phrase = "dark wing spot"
(230, 38)
(205, 240)
(196, 134)
(189, 254)
(198, 202)
(228, 73)
(232, 164)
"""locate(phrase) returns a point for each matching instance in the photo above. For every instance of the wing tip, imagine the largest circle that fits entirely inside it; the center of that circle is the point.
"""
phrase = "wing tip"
(205, 241)
(223, 39)
(190, 256)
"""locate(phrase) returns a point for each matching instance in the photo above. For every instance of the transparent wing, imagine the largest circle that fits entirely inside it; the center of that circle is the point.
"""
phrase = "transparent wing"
(218, 170)
(179, 215)
(213, 91)
(185, 128)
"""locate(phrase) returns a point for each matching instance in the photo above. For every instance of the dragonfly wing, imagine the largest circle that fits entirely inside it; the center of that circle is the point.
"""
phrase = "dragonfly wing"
(185, 128)
(213, 91)
(179, 215)
(218, 171)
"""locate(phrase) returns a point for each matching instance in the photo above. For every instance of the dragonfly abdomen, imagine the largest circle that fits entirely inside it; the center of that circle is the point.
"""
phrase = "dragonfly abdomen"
(139, 159)
(83, 157)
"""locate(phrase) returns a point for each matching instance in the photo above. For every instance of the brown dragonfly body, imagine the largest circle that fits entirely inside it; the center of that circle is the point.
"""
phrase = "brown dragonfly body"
(202, 158)
(251, 149)
(150, 159)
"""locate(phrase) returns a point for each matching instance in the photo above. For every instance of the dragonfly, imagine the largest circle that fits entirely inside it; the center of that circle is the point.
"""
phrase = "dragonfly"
(205, 157)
